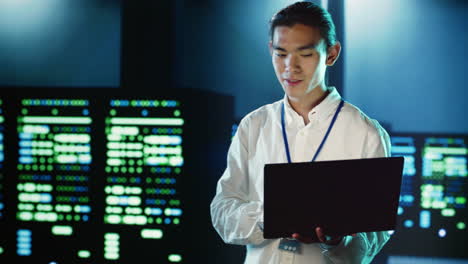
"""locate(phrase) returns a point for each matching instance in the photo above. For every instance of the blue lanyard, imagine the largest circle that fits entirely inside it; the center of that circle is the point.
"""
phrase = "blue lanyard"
(285, 137)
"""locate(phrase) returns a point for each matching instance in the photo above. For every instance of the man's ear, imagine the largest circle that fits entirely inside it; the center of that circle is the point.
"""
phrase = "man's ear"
(270, 47)
(333, 53)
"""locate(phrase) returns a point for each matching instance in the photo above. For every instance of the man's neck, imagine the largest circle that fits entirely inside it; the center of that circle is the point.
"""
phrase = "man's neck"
(305, 104)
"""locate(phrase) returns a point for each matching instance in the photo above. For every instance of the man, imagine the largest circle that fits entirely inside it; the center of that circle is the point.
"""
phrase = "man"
(302, 46)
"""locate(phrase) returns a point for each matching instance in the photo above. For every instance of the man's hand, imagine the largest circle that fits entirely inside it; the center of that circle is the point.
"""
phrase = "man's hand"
(332, 241)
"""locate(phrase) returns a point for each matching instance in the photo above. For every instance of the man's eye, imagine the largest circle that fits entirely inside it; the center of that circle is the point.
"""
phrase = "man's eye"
(307, 55)
(280, 55)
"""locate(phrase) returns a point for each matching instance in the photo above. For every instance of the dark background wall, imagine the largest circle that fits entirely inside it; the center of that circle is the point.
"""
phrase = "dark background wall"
(60, 43)
(406, 63)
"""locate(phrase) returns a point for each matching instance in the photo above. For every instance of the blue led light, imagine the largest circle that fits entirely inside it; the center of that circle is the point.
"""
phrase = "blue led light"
(23, 252)
(25, 152)
(25, 143)
(400, 210)
(425, 219)
(408, 223)
(156, 211)
(442, 233)
(24, 232)
(25, 159)
(403, 149)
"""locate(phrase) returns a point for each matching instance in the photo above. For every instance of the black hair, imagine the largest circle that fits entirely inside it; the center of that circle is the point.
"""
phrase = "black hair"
(308, 14)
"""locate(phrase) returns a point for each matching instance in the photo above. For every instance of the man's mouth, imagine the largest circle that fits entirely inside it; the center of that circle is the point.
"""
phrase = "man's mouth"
(292, 82)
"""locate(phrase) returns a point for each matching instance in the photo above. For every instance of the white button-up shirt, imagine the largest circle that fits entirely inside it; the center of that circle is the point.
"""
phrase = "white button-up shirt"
(237, 208)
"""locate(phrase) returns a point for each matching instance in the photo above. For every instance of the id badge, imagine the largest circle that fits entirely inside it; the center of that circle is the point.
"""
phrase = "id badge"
(291, 245)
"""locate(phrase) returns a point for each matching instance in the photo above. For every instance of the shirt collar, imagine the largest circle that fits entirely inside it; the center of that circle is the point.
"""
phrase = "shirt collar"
(321, 112)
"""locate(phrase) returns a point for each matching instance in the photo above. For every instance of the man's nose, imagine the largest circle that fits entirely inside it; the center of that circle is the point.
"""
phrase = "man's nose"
(291, 63)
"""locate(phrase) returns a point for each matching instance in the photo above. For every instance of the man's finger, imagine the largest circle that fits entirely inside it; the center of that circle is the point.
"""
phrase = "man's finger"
(320, 234)
(302, 239)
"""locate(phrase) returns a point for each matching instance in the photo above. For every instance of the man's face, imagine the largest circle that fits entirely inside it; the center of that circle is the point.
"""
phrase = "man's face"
(299, 56)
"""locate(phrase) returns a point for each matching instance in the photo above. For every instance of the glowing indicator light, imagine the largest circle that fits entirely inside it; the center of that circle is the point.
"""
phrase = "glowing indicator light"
(173, 212)
(442, 232)
(147, 121)
(166, 140)
(425, 219)
(55, 120)
(449, 151)
(111, 246)
(84, 254)
(448, 212)
(151, 233)
(75, 138)
(461, 225)
(400, 210)
(36, 129)
(24, 242)
(174, 258)
(62, 230)
(127, 130)
(408, 223)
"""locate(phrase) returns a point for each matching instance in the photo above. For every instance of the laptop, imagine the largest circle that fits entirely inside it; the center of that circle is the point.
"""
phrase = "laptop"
(341, 196)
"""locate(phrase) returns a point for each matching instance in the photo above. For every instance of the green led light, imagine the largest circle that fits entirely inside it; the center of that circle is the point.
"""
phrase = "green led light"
(55, 120)
(67, 148)
(147, 121)
(174, 258)
(45, 217)
(54, 111)
(112, 236)
(25, 207)
(176, 221)
(460, 200)
(112, 112)
(62, 230)
(1, 250)
(25, 216)
(448, 151)
(135, 220)
(36, 129)
(174, 202)
(63, 208)
(84, 254)
(151, 233)
(111, 256)
(448, 212)
(113, 219)
(461, 225)
(72, 138)
(176, 113)
(125, 130)
(44, 207)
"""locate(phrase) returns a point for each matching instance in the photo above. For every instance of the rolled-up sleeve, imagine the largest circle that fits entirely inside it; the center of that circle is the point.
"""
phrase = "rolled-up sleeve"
(234, 216)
